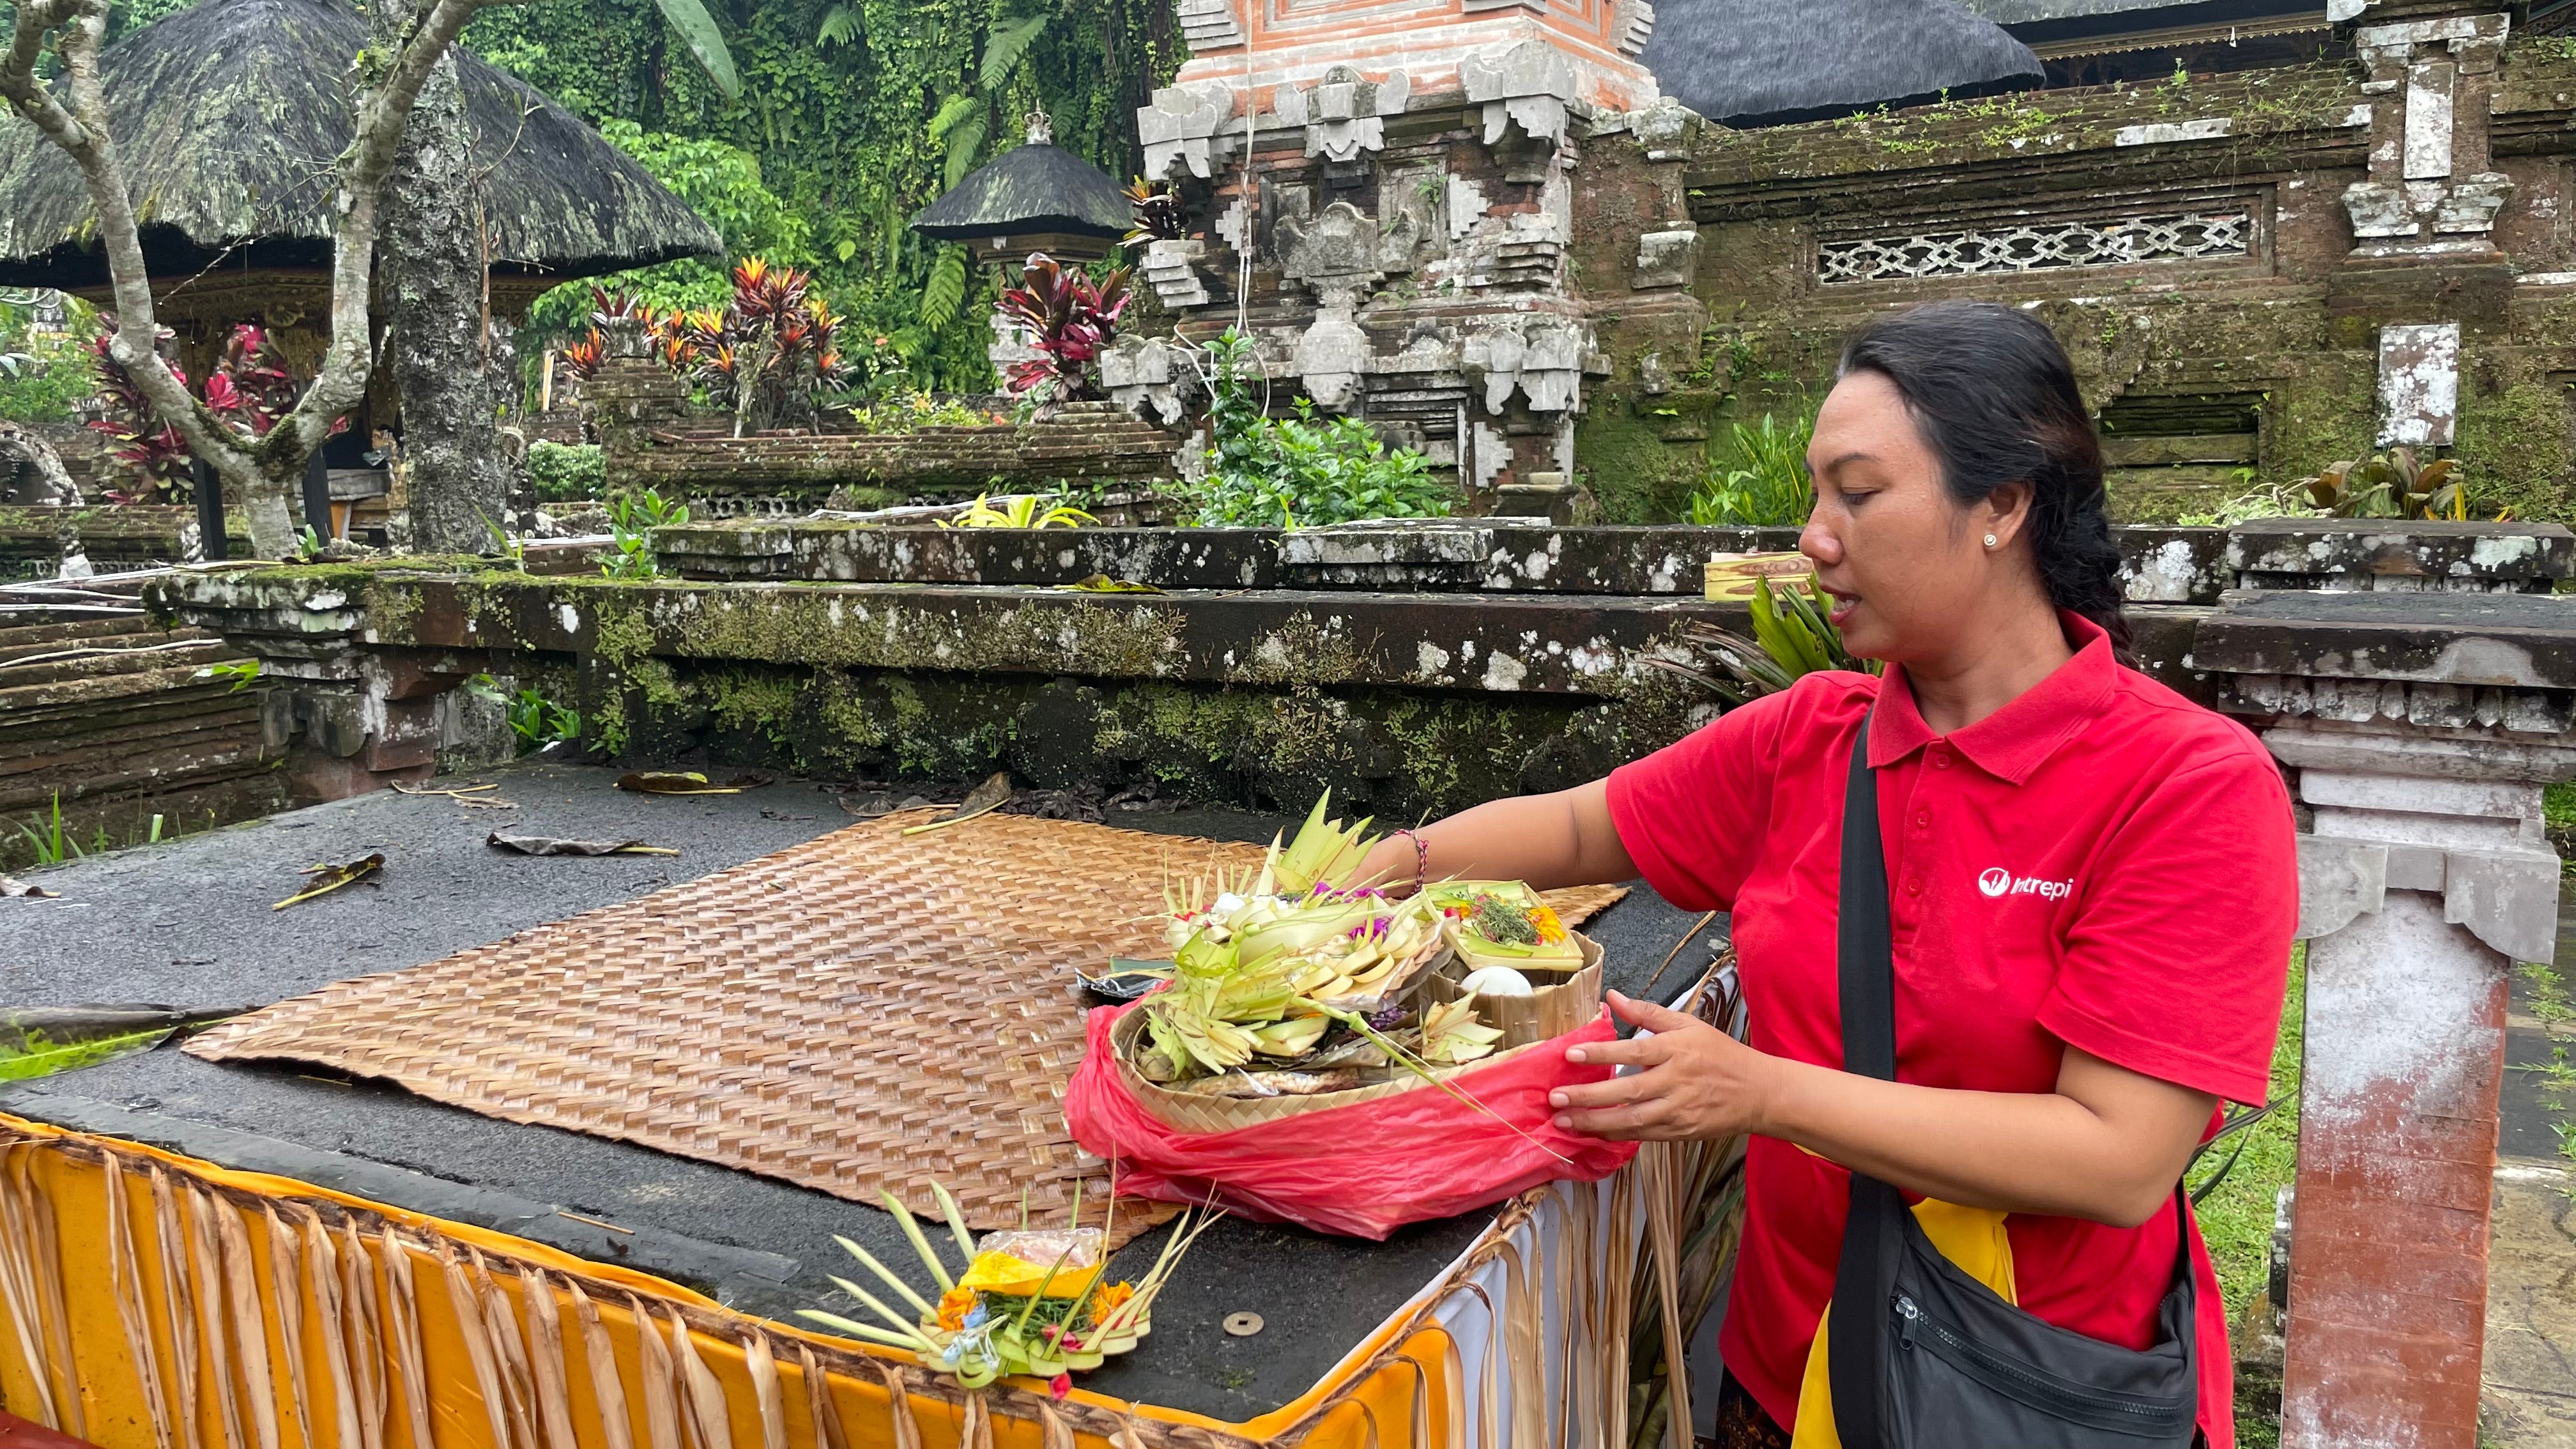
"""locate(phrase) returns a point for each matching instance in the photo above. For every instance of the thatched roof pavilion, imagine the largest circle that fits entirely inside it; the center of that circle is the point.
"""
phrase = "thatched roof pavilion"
(1035, 197)
(1764, 62)
(228, 117)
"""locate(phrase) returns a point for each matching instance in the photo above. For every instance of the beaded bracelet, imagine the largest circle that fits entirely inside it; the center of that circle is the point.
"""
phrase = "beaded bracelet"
(1421, 860)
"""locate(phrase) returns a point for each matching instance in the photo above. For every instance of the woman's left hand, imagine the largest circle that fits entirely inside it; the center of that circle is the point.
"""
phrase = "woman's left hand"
(1692, 1081)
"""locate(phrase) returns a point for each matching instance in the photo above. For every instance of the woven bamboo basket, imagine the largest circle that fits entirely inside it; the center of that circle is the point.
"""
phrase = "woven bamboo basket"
(1190, 1112)
(1561, 1001)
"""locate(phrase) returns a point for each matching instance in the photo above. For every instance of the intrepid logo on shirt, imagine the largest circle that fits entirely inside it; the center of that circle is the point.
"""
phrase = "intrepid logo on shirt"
(1994, 880)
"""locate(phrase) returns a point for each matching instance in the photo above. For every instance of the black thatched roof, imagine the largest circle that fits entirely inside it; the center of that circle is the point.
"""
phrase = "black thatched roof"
(1033, 187)
(229, 116)
(1760, 62)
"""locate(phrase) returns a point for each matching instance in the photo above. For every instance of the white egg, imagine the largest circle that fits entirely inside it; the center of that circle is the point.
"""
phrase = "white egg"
(1497, 981)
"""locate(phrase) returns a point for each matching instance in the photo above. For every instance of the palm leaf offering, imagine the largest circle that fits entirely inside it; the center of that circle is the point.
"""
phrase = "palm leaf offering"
(1029, 1301)
(1293, 981)
(1791, 635)
(1504, 923)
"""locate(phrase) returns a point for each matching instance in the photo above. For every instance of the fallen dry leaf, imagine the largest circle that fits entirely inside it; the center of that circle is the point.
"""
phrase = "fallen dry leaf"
(329, 878)
(550, 845)
(652, 782)
(984, 799)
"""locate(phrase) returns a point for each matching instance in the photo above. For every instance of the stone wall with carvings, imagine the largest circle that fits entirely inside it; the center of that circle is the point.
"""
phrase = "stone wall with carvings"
(1476, 247)
(2256, 274)
(1410, 255)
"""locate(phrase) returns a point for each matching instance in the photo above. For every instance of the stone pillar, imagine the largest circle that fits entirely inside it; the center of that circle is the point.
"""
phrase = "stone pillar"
(2432, 184)
(2427, 877)
(2420, 733)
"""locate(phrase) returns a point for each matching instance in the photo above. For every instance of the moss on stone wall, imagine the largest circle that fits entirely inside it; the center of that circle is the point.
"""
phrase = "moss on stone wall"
(1396, 752)
(1626, 462)
(2513, 448)
(2323, 412)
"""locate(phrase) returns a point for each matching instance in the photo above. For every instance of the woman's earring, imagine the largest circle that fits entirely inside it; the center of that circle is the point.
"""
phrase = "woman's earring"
(1990, 540)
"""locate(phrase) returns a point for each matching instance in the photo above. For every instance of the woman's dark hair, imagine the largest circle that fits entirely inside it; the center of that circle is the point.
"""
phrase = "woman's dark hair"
(1994, 397)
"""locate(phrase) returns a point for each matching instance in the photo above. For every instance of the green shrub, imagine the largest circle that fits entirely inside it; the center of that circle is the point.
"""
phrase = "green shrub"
(43, 375)
(565, 471)
(631, 519)
(1301, 471)
(1764, 483)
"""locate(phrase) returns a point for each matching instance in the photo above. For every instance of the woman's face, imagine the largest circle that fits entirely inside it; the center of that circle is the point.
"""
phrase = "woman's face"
(1908, 569)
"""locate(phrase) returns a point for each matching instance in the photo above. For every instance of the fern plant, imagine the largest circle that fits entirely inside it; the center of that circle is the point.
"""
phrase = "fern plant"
(945, 292)
(964, 121)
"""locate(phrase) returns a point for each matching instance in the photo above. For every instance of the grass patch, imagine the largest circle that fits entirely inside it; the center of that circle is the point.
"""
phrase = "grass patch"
(2236, 1221)
(2558, 812)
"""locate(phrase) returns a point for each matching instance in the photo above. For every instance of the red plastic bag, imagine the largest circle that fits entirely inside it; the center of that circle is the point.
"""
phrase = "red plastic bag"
(1364, 1169)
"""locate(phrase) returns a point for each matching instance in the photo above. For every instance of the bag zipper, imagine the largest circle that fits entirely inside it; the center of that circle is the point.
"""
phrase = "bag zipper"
(1987, 1367)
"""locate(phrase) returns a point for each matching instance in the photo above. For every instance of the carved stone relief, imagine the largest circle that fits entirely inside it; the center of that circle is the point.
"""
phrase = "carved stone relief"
(1527, 84)
(1344, 115)
(1143, 374)
(2428, 166)
(1336, 255)
(1540, 356)
(1186, 126)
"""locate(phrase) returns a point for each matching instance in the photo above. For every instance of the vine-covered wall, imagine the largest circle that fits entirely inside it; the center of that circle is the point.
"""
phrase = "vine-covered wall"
(852, 116)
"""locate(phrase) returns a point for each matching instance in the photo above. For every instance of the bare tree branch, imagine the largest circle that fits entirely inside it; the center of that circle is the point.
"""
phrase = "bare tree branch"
(29, 447)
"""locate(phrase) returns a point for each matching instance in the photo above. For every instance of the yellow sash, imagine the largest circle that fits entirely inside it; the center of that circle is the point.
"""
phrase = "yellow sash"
(1971, 1238)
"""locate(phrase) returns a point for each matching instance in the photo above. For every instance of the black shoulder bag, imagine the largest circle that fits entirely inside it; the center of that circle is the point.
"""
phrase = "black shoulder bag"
(1922, 1356)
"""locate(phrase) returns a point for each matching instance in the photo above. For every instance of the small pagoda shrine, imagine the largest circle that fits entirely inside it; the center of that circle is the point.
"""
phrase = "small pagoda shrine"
(1035, 197)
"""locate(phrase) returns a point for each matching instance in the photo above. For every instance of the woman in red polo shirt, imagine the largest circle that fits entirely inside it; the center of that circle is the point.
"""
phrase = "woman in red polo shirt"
(2092, 883)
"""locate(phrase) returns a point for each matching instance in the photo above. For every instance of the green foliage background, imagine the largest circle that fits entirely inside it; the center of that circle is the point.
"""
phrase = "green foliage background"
(833, 145)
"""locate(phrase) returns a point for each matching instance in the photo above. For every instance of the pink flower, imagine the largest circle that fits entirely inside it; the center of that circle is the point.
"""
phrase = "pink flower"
(1061, 1385)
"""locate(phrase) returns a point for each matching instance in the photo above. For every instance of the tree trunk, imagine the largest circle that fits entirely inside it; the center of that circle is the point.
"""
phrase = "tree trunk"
(433, 264)
(269, 520)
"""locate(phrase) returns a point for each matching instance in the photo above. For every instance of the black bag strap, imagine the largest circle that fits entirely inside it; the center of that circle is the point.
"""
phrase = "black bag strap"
(1856, 1346)
(1856, 1354)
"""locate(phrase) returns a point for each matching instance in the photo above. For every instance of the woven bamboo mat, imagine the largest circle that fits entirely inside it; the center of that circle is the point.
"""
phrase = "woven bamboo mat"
(858, 1012)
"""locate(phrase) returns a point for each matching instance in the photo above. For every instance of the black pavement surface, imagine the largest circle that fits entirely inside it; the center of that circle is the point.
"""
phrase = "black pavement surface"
(189, 922)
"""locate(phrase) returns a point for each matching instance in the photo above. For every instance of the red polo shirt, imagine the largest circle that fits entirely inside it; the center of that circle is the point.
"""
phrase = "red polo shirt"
(2101, 863)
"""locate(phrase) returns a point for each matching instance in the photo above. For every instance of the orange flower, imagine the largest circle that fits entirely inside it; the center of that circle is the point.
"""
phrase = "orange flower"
(1550, 929)
(954, 1305)
(1109, 1299)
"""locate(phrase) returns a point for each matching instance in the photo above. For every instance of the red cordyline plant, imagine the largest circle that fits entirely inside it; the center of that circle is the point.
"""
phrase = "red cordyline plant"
(770, 354)
(1070, 320)
(1160, 214)
(607, 309)
(249, 390)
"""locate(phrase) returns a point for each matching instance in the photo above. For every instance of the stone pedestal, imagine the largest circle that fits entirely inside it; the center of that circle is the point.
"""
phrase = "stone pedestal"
(2420, 733)
(2427, 877)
